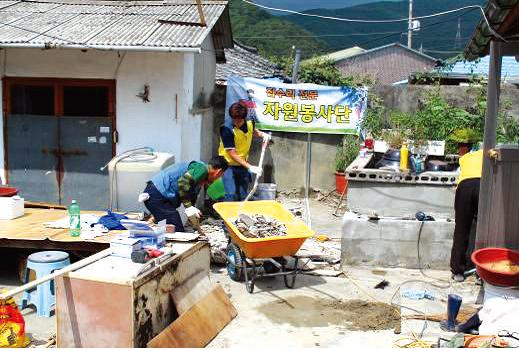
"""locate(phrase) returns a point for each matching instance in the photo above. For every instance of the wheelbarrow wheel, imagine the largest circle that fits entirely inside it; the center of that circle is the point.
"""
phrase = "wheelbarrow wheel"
(290, 278)
(290, 281)
(234, 262)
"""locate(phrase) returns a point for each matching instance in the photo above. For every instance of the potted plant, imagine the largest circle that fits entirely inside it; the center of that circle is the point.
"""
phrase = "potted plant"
(347, 151)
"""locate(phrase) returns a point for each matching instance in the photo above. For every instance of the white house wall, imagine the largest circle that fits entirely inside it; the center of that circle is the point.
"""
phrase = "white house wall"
(159, 123)
(199, 75)
(205, 72)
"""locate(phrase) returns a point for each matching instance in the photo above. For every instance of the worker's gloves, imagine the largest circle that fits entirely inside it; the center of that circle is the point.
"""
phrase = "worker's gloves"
(266, 137)
(143, 197)
(193, 211)
(258, 171)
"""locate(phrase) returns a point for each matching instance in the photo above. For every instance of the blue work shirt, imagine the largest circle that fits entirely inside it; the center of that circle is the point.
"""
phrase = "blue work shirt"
(167, 181)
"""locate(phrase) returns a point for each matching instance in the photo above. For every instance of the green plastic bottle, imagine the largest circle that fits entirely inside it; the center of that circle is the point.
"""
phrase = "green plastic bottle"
(74, 218)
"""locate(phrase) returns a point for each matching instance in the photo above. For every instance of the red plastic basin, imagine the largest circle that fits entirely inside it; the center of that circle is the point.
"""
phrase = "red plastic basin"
(494, 254)
(7, 191)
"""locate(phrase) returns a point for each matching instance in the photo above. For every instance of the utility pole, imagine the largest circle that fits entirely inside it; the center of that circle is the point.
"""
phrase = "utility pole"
(295, 70)
(410, 24)
(457, 42)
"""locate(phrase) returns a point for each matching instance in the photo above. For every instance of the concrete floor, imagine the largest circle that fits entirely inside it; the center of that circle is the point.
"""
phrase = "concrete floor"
(275, 316)
(305, 316)
(321, 215)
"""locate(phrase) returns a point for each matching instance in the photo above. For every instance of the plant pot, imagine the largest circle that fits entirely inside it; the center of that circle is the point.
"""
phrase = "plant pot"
(341, 182)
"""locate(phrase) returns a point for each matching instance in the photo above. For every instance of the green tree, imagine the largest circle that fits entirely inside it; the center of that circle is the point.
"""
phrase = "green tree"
(256, 27)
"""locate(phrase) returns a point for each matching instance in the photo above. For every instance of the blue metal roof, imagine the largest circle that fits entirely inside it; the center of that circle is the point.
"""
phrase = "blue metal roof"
(510, 68)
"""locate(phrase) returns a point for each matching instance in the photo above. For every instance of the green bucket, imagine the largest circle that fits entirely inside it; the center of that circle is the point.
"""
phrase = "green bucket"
(216, 190)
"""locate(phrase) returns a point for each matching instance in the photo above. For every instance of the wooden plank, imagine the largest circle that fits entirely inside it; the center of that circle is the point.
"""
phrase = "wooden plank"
(191, 291)
(200, 324)
(30, 226)
(46, 205)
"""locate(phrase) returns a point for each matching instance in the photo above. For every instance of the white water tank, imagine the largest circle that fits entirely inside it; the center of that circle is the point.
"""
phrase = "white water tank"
(127, 178)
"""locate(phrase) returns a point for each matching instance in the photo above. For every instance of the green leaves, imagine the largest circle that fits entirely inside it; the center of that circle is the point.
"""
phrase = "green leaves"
(346, 152)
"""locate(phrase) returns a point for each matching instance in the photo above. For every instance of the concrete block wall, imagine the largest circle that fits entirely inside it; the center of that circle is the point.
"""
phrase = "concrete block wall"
(394, 243)
(401, 200)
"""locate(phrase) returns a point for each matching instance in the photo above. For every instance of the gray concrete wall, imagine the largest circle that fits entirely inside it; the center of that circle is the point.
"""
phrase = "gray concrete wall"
(401, 200)
(393, 243)
(285, 160)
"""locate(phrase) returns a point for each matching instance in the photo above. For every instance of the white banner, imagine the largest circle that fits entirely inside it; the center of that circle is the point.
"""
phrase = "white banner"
(303, 108)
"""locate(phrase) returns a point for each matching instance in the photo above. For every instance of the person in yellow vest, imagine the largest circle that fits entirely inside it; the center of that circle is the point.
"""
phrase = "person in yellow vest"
(235, 143)
(465, 206)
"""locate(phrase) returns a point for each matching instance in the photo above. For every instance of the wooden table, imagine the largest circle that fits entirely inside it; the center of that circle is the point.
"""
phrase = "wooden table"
(29, 232)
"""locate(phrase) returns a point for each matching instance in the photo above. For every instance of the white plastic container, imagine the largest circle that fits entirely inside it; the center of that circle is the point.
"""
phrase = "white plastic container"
(127, 178)
(11, 207)
(123, 246)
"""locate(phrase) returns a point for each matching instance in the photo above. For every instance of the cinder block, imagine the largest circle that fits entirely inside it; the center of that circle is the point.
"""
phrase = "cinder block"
(394, 243)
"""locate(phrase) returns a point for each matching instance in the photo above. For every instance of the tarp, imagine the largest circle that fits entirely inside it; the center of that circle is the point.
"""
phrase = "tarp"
(303, 108)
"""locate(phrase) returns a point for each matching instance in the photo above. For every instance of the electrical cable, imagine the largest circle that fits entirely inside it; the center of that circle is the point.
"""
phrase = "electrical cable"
(318, 35)
(420, 263)
(416, 340)
(407, 19)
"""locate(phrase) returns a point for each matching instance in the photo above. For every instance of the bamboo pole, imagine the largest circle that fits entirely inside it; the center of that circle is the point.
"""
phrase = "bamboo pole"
(67, 269)
(201, 13)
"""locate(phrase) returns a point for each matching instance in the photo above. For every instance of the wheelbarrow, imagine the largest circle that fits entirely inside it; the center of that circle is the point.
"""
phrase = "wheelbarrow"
(246, 255)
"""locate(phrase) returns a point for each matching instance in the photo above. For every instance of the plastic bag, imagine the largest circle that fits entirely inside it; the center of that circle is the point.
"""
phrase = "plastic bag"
(112, 220)
(12, 325)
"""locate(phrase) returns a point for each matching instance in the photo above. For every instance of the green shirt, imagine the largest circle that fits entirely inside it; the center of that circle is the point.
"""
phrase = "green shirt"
(196, 173)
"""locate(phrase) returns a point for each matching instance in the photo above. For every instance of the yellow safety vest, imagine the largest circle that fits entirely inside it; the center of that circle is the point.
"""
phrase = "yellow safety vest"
(471, 165)
(242, 143)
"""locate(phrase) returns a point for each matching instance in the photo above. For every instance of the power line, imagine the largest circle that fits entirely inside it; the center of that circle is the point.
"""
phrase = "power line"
(382, 21)
(442, 51)
(391, 33)
(361, 20)
(317, 35)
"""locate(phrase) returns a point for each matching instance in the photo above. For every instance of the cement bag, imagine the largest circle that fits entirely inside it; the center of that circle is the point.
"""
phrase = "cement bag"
(12, 325)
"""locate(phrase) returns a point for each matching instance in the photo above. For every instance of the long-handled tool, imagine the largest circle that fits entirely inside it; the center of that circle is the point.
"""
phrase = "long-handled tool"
(256, 180)
(67, 269)
(340, 202)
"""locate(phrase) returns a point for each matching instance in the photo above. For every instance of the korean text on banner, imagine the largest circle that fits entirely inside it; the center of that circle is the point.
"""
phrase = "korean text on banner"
(303, 108)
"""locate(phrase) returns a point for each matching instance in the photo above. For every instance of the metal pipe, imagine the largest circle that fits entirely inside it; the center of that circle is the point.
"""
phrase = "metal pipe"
(489, 142)
(295, 74)
(307, 180)
(101, 47)
(74, 266)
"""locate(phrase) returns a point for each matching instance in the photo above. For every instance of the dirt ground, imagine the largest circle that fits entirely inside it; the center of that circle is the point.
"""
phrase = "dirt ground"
(308, 311)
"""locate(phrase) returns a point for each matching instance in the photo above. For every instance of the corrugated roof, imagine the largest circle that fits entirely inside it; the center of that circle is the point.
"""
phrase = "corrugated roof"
(245, 61)
(509, 70)
(370, 51)
(105, 24)
(496, 12)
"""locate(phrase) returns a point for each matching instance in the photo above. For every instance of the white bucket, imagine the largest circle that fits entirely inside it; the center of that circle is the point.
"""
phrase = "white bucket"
(497, 292)
(266, 191)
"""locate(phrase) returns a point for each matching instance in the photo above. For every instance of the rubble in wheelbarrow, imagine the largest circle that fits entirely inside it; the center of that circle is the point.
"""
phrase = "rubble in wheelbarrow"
(259, 226)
